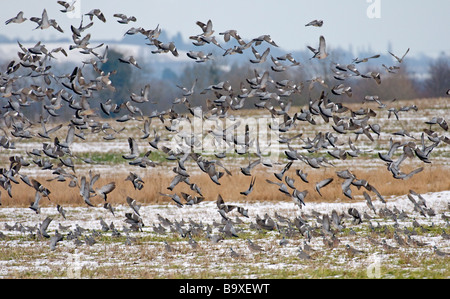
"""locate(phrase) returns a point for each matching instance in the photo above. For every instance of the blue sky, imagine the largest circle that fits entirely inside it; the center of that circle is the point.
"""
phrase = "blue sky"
(423, 26)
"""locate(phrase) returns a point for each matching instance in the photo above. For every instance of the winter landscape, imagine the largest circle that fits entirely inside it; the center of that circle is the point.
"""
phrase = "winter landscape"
(217, 155)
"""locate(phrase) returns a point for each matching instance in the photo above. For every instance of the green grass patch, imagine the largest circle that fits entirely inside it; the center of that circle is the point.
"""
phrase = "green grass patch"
(111, 157)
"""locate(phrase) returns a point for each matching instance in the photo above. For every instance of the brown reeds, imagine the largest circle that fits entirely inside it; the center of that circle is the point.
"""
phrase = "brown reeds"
(431, 179)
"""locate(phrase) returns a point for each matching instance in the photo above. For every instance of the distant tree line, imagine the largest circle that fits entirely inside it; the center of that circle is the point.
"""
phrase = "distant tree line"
(164, 90)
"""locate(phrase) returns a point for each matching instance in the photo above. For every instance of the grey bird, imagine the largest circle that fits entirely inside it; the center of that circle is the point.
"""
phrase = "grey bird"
(289, 181)
(242, 211)
(134, 149)
(247, 170)
(266, 223)
(283, 241)
(192, 242)
(146, 129)
(315, 23)
(177, 179)
(130, 60)
(143, 96)
(393, 146)
(234, 254)
(134, 220)
(69, 137)
(168, 247)
(105, 226)
(438, 120)
(165, 48)
(322, 184)
(254, 247)
(299, 197)
(369, 201)
(357, 60)
(303, 255)
(133, 204)
(259, 58)
(44, 22)
(302, 175)
(57, 237)
(109, 207)
(108, 107)
(85, 191)
(199, 56)
(326, 225)
(175, 198)
(439, 252)
(206, 28)
(156, 139)
(319, 53)
(97, 13)
(89, 240)
(105, 190)
(124, 19)
(399, 59)
(250, 188)
(421, 200)
(35, 204)
(44, 226)
(68, 7)
(19, 18)
(136, 180)
(355, 214)
(279, 175)
(188, 92)
(264, 38)
(352, 251)
(283, 188)
(230, 230)
(400, 241)
(61, 211)
(222, 206)
(336, 220)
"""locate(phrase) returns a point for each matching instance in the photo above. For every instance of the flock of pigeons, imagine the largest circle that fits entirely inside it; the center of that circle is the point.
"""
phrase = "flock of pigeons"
(80, 94)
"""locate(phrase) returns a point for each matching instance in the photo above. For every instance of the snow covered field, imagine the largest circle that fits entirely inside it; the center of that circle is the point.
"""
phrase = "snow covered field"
(89, 250)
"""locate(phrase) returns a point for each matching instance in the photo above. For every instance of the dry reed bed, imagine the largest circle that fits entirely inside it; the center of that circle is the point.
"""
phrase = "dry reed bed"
(431, 179)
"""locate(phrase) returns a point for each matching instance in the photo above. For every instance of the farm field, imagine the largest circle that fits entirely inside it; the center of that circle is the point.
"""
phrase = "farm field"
(218, 154)
(117, 251)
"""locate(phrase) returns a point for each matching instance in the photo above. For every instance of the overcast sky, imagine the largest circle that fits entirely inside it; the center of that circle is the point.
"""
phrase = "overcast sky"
(423, 26)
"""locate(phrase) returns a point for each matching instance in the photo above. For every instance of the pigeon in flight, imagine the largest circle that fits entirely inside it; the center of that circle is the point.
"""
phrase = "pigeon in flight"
(250, 189)
(133, 204)
(399, 59)
(322, 184)
(19, 18)
(68, 7)
(315, 23)
(123, 19)
(320, 53)
(105, 190)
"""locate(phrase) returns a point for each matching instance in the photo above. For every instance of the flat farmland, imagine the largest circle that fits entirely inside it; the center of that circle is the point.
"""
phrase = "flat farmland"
(400, 235)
